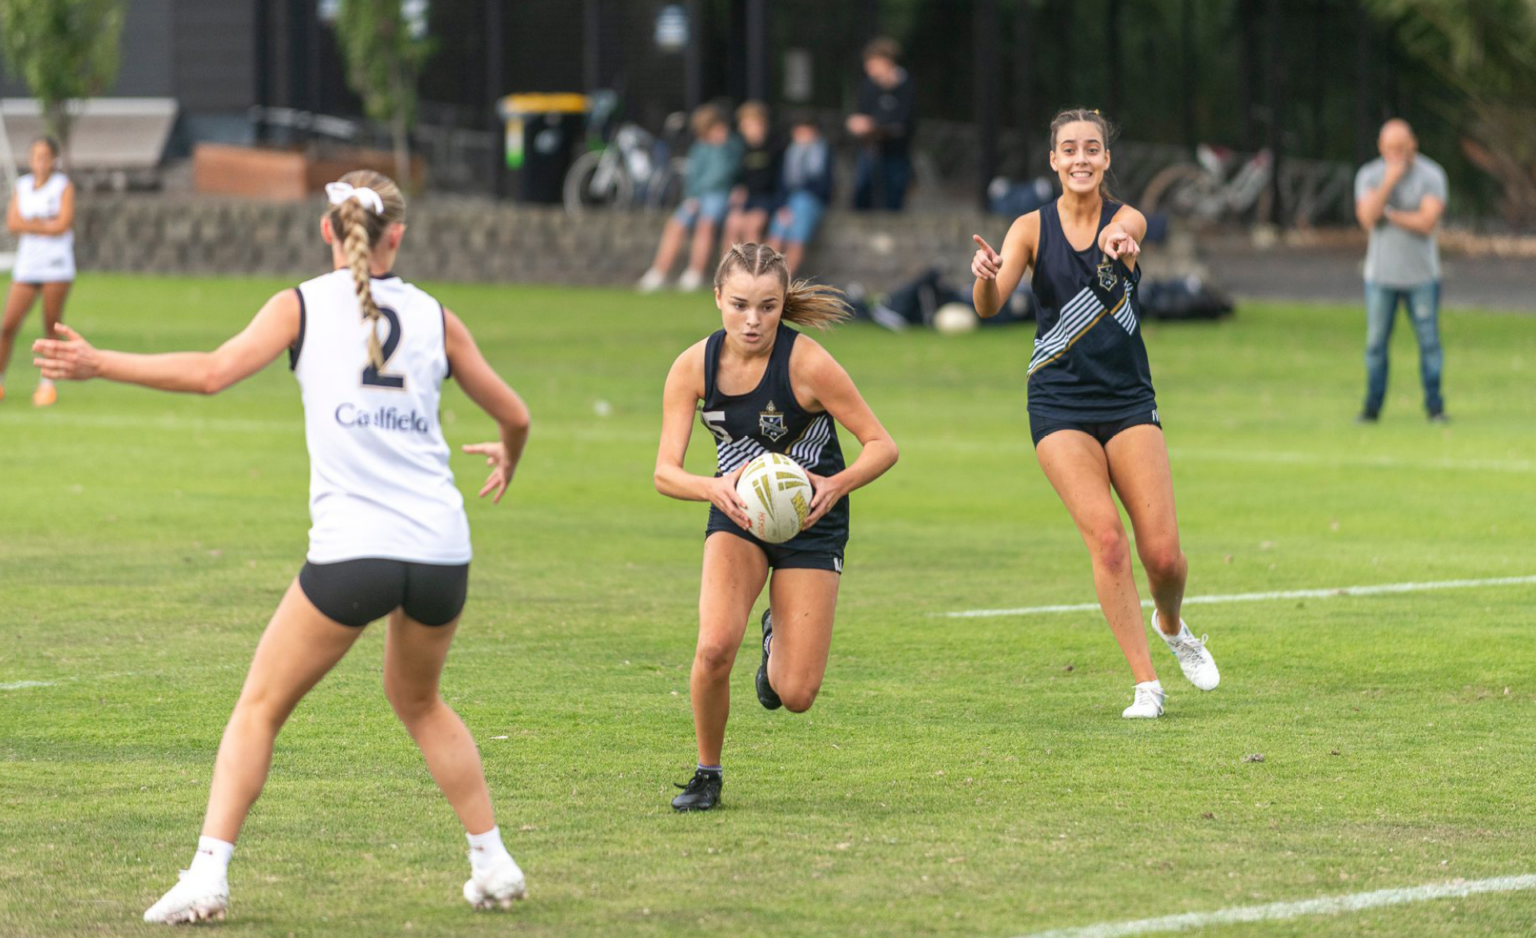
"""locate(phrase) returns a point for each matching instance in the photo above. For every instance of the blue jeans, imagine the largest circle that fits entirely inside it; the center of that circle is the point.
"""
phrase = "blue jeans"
(880, 182)
(1423, 302)
(804, 210)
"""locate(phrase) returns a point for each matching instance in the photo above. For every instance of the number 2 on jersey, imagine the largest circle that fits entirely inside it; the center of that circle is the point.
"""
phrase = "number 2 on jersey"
(372, 376)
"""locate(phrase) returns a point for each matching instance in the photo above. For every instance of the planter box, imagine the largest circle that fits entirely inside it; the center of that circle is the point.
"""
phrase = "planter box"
(283, 175)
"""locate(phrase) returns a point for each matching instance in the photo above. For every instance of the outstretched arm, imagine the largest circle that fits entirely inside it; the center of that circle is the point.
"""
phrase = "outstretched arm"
(813, 368)
(998, 274)
(680, 400)
(492, 395)
(275, 328)
(1121, 238)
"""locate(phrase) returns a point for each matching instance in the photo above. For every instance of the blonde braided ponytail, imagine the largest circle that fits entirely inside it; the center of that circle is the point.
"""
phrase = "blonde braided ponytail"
(359, 228)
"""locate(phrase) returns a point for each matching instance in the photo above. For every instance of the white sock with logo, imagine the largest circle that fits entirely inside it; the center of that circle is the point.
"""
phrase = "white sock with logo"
(212, 857)
(486, 849)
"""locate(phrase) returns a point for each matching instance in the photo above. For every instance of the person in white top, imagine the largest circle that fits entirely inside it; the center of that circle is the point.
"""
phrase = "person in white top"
(42, 213)
(389, 536)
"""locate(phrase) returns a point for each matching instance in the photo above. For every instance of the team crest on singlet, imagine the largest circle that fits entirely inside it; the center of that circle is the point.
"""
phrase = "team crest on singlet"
(771, 423)
(1107, 276)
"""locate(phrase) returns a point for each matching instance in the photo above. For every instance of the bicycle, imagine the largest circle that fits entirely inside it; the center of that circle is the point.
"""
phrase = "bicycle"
(1202, 191)
(626, 168)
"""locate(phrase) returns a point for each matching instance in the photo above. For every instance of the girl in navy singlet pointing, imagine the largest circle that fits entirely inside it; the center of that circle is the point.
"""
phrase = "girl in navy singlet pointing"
(759, 386)
(1092, 412)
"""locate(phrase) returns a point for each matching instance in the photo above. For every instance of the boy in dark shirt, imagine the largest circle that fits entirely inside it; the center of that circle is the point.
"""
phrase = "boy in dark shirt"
(883, 123)
(757, 182)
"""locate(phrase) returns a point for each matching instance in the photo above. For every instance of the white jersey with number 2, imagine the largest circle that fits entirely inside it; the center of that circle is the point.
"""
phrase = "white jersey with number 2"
(379, 483)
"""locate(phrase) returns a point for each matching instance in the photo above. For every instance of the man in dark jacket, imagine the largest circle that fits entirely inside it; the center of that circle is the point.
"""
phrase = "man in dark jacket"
(883, 124)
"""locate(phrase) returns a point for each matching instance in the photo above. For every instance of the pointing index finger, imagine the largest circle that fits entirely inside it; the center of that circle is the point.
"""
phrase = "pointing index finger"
(984, 245)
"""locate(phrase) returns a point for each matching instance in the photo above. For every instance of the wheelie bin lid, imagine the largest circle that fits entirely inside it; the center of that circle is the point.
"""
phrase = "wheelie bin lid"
(556, 103)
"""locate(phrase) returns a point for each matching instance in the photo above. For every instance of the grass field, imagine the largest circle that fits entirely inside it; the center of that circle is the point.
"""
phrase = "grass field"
(964, 777)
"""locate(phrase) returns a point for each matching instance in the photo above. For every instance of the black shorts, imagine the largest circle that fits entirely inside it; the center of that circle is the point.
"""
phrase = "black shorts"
(1103, 431)
(784, 558)
(356, 592)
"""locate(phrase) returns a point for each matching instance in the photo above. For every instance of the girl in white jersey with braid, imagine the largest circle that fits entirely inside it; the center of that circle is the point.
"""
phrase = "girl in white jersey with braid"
(42, 215)
(389, 535)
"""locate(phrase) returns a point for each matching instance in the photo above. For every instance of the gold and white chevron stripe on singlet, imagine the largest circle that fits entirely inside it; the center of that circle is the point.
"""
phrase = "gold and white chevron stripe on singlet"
(1078, 315)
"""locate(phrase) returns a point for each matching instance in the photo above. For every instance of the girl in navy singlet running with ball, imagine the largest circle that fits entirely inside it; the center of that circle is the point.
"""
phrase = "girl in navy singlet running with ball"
(760, 386)
(1092, 412)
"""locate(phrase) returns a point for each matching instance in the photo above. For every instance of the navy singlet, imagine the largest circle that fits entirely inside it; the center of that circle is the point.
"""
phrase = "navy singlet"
(1089, 361)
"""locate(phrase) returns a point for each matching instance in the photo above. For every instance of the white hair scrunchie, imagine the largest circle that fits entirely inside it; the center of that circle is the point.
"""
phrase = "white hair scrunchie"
(339, 192)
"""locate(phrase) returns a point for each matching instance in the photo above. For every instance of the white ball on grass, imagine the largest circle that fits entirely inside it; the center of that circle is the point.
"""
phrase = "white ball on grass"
(953, 318)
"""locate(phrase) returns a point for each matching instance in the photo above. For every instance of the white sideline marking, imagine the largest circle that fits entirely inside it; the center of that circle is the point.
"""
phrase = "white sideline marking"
(1275, 911)
(18, 685)
(1379, 462)
(1370, 590)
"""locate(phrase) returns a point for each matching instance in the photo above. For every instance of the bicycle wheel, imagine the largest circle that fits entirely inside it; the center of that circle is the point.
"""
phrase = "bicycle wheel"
(664, 190)
(592, 183)
(1165, 191)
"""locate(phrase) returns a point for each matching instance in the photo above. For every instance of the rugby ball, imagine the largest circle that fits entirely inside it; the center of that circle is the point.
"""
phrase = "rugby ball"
(778, 496)
(955, 317)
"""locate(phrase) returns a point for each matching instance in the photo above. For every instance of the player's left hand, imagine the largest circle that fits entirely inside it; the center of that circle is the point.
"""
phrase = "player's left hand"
(501, 468)
(1118, 245)
(67, 358)
(825, 493)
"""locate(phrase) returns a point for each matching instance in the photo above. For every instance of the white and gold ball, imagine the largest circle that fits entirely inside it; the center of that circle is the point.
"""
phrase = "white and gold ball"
(778, 496)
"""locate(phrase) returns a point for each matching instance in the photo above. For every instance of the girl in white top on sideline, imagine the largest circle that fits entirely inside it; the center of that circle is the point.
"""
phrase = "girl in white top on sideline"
(389, 536)
(42, 213)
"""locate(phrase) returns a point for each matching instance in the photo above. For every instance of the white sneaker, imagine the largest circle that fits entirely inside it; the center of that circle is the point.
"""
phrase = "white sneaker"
(690, 281)
(1148, 704)
(1194, 659)
(496, 886)
(652, 281)
(196, 898)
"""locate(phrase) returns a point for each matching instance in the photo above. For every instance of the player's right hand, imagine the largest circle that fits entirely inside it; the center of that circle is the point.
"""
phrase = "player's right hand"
(67, 358)
(722, 494)
(986, 262)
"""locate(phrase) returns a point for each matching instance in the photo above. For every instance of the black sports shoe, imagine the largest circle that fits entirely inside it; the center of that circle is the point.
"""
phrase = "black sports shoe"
(701, 793)
(765, 694)
(1368, 416)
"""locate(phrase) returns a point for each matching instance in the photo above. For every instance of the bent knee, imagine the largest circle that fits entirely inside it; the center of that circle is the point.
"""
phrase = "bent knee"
(798, 697)
(1162, 562)
(410, 703)
(714, 658)
(261, 709)
(1110, 548)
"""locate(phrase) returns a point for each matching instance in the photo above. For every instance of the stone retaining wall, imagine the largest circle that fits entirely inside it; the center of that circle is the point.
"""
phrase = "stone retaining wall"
(482, 241)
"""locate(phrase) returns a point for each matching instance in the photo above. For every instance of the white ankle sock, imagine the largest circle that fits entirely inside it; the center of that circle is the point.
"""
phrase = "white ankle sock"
(212, 856)
(485, 849)
(44, 382)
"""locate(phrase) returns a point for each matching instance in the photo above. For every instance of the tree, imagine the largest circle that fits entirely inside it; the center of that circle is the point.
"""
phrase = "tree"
(64, 50)
(1487, 52)
(385, 49)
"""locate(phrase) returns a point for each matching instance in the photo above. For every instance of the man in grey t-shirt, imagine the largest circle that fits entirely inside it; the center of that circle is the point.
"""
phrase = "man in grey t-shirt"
(1398, 201)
